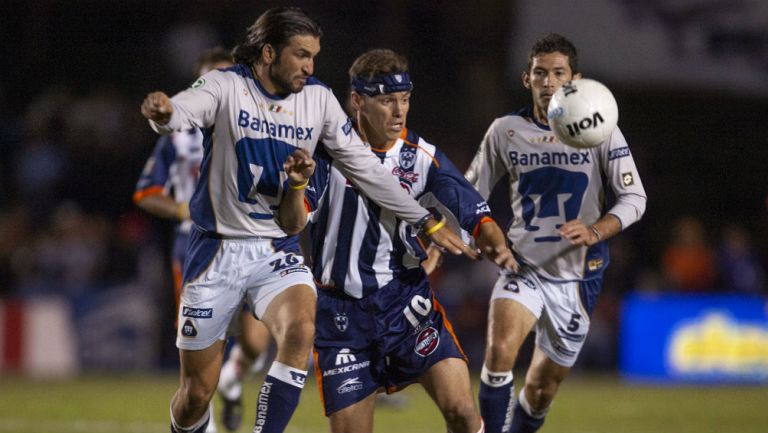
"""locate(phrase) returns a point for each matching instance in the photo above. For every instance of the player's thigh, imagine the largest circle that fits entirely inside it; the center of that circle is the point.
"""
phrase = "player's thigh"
(356, 418)
(254, 335)
(509, 323)
(448, 383)
(290, 318)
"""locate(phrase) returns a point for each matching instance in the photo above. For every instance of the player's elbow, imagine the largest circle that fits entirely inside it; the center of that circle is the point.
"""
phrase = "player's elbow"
(292, 227)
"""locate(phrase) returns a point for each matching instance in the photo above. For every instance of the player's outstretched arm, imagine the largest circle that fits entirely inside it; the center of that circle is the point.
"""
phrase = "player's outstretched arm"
(157, 107)
(493, 244)
(292, 214)
(447, 239)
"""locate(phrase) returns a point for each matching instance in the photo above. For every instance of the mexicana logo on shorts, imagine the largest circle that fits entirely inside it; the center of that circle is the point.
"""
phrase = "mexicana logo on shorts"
(189, 330)
(198, 313)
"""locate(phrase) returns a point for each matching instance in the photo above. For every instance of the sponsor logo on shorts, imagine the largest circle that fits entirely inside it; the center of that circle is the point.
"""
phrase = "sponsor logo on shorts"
(559, 347)
(189, 329)
(512, 287)
(427, 342)
(298, 378)
(346, 369)
(595, 264)
(349, 385)
(344, 357)
(301, 268)
(197, 313)
(341, 321)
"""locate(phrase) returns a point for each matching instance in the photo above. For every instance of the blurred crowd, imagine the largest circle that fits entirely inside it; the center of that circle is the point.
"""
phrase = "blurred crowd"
(71, 157)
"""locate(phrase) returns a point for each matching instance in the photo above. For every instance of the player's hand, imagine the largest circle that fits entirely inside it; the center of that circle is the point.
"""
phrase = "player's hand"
(493, 245)
(578, 233)
(434, 259)
(299, 167)
(157, 107)
(449, 240)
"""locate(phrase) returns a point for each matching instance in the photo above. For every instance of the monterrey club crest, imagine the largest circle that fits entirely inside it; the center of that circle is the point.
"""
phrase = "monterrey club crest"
(407, 159)
(427, 342)
(341, 321)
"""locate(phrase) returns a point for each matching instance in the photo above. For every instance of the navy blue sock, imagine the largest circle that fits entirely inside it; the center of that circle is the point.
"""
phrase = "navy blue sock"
(497, 395)
(522, 421)
(278, 398)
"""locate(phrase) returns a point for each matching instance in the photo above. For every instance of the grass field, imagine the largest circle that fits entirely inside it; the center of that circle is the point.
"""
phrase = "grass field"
(139, 404)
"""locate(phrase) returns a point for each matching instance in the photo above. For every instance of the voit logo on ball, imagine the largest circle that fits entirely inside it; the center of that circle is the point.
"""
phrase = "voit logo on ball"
(427, 342)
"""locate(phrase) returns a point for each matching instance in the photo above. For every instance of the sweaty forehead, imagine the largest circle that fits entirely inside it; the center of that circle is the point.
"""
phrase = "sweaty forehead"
(308, 43)
(549, 61)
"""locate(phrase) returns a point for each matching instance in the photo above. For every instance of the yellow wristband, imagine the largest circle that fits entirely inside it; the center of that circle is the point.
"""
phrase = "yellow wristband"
(430, 231)
(298, 187)
(182, 211)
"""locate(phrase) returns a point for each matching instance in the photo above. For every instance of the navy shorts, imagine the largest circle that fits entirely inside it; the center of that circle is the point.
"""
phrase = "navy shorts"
(385, 340)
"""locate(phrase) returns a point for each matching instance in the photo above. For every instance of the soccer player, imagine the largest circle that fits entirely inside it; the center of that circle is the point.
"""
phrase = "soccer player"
(558, 232)
(379, 324)
(254, 116)
(164, 190)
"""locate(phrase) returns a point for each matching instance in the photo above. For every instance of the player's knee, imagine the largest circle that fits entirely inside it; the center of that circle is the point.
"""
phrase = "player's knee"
(542, 392)
(198, 394)
(299, 334)
(460, 412)
(501, 355)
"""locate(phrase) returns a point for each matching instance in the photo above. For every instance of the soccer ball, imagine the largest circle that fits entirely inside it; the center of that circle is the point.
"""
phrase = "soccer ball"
(583, 113)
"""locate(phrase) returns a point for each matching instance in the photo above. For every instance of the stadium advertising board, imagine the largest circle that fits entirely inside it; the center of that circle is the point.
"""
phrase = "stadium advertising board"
(694, 338)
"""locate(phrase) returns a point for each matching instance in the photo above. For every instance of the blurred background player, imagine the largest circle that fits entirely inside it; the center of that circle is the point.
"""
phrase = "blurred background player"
(265, 109)
(558, 234)
(164, 190)
(379, 324)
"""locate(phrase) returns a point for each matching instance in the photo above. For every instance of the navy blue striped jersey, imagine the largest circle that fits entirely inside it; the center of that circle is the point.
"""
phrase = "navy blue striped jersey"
(357, 246)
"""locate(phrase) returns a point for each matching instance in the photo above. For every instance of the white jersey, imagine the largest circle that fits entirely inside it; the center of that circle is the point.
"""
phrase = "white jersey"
(249, 133)
(551, 183)
(173, 169)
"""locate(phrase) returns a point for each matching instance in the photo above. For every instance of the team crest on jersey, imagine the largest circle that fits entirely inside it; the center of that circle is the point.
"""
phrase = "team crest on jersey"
(341, 321)
(189, 329)
(407, 160)
(427, 342)
(593, 265)
(199, 83)
(543, 139)
(627, 179)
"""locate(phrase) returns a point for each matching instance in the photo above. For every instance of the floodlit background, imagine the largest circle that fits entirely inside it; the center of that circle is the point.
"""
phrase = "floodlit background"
(85, 287)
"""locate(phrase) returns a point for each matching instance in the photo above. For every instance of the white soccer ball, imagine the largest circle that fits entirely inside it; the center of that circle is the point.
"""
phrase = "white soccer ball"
(583, 113)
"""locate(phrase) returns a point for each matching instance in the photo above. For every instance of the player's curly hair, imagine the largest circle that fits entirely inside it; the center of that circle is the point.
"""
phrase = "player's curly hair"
(274, 27)
(378, 62)
(555, 43)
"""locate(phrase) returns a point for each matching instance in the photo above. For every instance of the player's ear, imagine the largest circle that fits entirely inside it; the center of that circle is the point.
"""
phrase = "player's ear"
(576, 76)
(356, 100)
(268, 54)
(526, 79)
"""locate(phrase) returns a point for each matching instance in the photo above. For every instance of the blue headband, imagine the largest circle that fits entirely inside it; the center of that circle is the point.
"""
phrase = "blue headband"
(381, 84)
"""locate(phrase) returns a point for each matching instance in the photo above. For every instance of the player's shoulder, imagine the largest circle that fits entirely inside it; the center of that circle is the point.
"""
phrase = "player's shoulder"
(413, 140)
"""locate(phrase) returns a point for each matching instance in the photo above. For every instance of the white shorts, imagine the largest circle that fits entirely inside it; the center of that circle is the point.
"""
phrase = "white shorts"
(562, 315)
(220, 274)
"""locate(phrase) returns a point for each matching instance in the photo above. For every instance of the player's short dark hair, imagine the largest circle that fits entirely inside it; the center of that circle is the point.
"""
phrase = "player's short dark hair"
(378, 62)
(212, 56)
(555, 43)
(275, 27)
